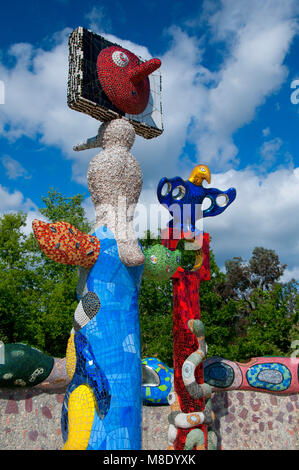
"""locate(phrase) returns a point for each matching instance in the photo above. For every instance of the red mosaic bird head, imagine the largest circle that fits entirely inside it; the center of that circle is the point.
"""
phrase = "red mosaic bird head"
(124, 78)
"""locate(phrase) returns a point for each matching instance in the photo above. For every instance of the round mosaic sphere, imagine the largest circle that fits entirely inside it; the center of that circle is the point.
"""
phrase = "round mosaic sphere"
(161, 263)
(156, 382)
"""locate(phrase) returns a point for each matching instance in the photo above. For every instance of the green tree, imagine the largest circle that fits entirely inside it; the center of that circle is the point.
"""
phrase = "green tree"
(37, 296)
(268, 328)
(14, 275)
(155, 312)
(67, 209)
(247, 312)
(219, 315)
(266, 310)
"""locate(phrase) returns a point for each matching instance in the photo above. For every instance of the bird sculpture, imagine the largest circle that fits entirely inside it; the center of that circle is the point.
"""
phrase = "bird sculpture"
(184, 199)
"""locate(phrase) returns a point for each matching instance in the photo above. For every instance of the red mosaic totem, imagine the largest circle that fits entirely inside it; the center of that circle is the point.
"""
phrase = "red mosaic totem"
(186, 306)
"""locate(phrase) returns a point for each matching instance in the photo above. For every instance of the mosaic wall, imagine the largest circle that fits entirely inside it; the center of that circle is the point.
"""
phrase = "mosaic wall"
(30, 420)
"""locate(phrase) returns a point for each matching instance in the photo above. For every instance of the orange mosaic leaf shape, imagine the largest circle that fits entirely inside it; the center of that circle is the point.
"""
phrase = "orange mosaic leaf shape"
(63, 243)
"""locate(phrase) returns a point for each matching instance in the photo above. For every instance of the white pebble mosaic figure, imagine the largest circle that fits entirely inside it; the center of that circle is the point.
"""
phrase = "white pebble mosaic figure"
(115, 182)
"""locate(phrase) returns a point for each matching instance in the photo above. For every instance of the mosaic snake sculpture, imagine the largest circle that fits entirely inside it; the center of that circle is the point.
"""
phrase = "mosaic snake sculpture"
(177, 419)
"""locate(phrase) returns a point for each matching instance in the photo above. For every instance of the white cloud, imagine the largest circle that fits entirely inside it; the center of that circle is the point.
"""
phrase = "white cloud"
(199, 105)
(35, 104)
(234, 16)
(98, 19)
(270, 151)
(89, 209)
(290, 274)
(14, 169)
(15, 202)
(266, 131)
(263, 214)
(258, 36)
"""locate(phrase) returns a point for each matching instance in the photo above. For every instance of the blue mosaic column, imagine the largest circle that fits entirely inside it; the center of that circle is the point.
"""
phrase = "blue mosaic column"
(113, 340)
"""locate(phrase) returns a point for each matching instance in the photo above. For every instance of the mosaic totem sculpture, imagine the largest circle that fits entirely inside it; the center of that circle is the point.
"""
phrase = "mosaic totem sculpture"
(193, 379)
(191, 412)
(102, 406)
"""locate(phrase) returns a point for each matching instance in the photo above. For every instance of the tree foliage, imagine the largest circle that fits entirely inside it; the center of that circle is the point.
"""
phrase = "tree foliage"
(264, 311)
(37, 295)
(247, 312)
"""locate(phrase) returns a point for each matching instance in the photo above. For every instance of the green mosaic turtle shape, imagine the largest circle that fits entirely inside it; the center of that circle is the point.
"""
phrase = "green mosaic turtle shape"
(24, 366)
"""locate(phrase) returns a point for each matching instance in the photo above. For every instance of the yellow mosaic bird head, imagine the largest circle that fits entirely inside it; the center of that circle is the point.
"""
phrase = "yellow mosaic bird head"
(200, 173)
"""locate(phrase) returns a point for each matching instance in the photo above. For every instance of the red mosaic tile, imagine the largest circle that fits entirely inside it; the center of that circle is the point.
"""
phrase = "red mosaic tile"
(33, 435)
(12, 407)
(46, 412)
(243, 413)
(28, 405)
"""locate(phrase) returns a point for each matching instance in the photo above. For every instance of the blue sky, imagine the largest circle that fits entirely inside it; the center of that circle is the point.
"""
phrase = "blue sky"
(227, 70)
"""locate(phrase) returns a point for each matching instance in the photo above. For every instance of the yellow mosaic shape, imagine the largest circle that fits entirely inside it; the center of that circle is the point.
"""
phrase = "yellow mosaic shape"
(81, 411)
(71, 357)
